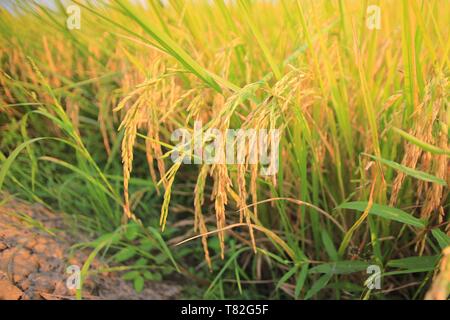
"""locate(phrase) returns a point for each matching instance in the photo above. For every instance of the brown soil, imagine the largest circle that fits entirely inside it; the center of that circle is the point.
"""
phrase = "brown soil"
(33, 261)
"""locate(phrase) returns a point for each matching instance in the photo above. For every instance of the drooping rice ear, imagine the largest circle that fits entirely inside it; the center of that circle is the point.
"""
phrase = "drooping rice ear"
(149, 156)
(169, 177)
(199, 220)
(242, 204)
(253, 186)
(241, 190)
(127, 161)
(440, 288)
(103, 120)
(222, 183)
(434, 196)
(130, 124)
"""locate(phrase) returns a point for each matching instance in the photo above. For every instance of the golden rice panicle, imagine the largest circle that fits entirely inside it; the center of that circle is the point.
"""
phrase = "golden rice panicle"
(199, 220)
(149, 154)
(141, 114)
(440, 289)
(153, 148)
(242, 200)
(203, 231)
(73, 111)
(222, 184)
(434, 193)
(104, 119)
(253, 187)
(199, 191)
(170, 178)
(241, 190)
(53, 80)
(428, 115)
(130, 123)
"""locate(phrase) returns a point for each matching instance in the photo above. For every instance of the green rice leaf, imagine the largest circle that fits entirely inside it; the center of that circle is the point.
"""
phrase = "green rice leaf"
(286, 277)
(425, 146)
(301, 279)
(139, 284)
(385, 212)
(125, 254)
(424, 263)
(318, 285)
(340, 267)
(329, 246)
(409, 171)
(441, 238)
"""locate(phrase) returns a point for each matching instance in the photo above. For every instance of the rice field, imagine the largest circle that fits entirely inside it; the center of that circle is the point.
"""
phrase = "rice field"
(355, 205)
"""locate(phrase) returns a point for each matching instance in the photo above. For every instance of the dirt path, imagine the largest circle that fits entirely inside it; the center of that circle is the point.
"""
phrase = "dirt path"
(33, 262)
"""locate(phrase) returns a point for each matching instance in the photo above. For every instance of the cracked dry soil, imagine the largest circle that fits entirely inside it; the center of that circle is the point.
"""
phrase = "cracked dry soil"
(33, 262)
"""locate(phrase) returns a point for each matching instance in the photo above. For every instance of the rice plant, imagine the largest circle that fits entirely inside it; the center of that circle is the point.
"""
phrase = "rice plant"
(357, 208)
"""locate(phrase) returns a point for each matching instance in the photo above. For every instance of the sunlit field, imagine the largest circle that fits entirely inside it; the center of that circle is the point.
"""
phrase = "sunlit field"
(353, 204)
